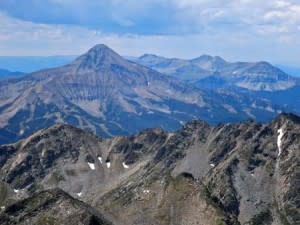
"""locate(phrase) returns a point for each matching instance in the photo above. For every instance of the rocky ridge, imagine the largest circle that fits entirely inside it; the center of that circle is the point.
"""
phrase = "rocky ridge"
(241, 173)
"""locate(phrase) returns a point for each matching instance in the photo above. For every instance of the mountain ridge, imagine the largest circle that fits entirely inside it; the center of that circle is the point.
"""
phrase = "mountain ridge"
(257, 76)
(240, 173)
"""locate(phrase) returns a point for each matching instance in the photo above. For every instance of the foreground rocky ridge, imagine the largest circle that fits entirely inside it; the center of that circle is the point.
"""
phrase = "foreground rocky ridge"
(51, 207)
(243, 173)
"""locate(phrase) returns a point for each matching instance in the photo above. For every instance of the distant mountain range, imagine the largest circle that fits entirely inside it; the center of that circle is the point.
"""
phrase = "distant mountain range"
(215, 71)
(6, 74)
(292, 70)
(28, 64)
(102, 92)
(259, 80)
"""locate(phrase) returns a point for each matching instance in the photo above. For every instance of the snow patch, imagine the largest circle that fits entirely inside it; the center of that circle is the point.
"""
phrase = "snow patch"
(108, 164)
(212, 165)
(79, 194)
(21, 132)
(100, 159)
(16, 190)
(279, 140)
(125, 166)
(146, 191)
(91, 165)
(2, 207)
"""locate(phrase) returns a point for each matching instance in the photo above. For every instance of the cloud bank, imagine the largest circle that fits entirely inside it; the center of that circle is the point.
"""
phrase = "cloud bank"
(236, 29)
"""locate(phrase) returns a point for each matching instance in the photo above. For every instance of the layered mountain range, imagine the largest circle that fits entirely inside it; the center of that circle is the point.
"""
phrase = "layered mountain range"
(241, 173)
(259, 80)
(104, 93)
(215, 71)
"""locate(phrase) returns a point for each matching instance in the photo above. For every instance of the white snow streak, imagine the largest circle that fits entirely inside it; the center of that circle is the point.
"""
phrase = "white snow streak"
(212, 165)
(16, 190)
(92, 166)
(108, 164)
(125, 166)
(79, 194)
(2, 207)
(146, 191)
(100, 159)
(279, 140)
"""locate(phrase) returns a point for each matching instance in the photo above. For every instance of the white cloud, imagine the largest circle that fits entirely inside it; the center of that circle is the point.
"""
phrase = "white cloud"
(281, 4)
(237, 30)
(242, 14)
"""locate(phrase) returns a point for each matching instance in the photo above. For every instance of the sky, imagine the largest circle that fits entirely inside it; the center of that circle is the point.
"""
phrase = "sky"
(237, 30)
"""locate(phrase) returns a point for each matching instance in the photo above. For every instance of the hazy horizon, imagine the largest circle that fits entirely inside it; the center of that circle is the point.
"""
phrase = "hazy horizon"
(25, 63)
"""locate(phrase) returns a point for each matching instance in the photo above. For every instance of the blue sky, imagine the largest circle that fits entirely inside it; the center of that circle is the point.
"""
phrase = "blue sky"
(249, 30)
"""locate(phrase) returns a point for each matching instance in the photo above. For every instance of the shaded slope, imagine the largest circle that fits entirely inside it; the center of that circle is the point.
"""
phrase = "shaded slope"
(53, 207)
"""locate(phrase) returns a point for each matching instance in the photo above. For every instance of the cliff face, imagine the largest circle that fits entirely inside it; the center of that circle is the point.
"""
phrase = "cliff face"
(243, 173)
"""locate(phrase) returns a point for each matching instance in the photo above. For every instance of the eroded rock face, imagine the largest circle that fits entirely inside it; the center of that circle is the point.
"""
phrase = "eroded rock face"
(51, 207)
(227, 174)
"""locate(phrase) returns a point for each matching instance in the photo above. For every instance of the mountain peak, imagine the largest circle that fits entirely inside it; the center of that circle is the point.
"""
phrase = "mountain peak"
(146, 55)
(208, 62)
(209, 58)
(205, 56)
(98, 57)
(150, 56)
(283, 117)
(101, 49)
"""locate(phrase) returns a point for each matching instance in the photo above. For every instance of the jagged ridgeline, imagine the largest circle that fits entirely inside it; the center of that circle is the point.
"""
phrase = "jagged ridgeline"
(241, 173)
(104, 93)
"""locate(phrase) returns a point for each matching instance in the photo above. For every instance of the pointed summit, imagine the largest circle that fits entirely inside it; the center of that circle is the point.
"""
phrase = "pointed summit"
(98, 57)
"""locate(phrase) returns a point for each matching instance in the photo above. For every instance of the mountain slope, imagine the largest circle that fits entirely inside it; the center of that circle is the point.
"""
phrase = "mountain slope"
(53, 207)
(243, 173)
(104, 93)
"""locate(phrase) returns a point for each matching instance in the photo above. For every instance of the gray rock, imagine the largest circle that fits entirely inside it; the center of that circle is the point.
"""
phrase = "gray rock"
(227, 174)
